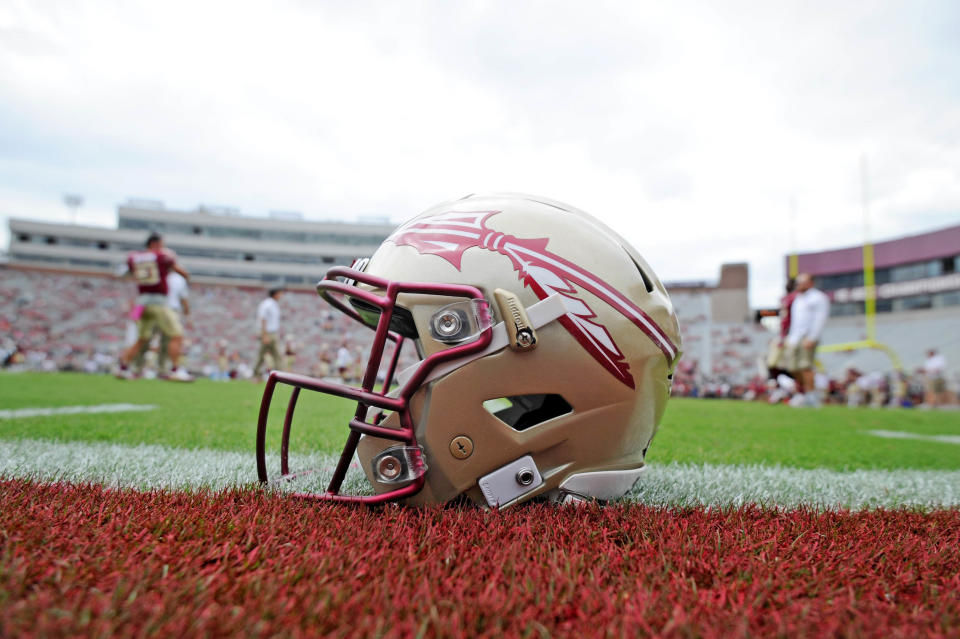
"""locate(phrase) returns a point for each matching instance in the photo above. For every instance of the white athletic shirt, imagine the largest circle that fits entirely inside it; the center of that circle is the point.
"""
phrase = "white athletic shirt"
(269, 310)
(935, 365)
(344, 358)
(177, 290)
(808, 314)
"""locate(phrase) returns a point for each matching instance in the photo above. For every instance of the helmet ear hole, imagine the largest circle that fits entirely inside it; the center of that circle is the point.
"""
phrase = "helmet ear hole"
(521, 412)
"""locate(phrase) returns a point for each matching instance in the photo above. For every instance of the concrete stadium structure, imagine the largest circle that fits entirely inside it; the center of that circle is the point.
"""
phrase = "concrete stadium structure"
(917, 285)
(721, 343)
(215, 244)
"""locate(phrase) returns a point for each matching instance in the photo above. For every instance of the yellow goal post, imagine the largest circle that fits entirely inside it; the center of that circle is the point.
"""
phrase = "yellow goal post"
(870, 312)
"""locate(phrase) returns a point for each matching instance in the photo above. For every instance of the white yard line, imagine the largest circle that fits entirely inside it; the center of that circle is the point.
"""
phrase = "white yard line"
(900, 434)
(147, 466)
(18, 413)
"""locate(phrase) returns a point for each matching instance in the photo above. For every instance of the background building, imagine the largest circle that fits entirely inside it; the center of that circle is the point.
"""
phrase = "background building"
(215, 244)
(721, 343)
(918, 298)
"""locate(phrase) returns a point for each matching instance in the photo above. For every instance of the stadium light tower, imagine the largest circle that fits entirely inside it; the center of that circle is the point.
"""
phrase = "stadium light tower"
(73, 202)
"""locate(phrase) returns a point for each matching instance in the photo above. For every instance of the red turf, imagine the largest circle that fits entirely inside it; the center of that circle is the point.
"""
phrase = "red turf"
(81, 560)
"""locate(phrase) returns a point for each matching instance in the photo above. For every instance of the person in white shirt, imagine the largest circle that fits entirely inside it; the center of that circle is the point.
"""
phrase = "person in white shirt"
(344, 361)
(268, 323)
(178, 294)
(808, 315)
(935, 379)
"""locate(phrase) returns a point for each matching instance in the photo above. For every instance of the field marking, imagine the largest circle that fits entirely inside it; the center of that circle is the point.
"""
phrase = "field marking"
(900, 434)
(150, 466)
(18, 413)
(713, 485)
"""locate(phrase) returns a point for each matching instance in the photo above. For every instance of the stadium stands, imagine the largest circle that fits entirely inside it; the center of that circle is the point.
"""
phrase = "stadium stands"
(79, 322)
(717, 356)
(910, 334)
(59, 321)
(55, 321)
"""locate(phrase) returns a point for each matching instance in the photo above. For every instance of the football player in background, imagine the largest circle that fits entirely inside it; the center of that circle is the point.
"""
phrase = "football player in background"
(779, 358)
(150, 268)
(178, 294)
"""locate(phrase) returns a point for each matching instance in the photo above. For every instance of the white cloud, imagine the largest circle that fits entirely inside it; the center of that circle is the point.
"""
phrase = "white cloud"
(686, 126)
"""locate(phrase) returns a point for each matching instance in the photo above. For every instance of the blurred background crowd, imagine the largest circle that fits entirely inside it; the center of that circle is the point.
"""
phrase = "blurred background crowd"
(61, 322)
(67, 322)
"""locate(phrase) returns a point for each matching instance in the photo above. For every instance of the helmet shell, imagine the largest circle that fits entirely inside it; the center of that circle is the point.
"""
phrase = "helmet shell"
(614, 375)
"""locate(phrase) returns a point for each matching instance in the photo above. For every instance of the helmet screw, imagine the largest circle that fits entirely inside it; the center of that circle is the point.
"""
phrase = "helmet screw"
(448, 324)
(525, 476)
(525, 338)
(389, 467)
(461, 447)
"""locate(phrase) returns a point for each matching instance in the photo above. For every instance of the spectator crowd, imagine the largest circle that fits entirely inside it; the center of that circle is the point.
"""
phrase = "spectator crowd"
(52, 321)
(65, 322)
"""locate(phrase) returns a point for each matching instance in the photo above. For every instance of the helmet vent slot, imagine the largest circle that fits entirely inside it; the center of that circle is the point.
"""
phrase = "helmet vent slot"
(647, 283)
(521, 412)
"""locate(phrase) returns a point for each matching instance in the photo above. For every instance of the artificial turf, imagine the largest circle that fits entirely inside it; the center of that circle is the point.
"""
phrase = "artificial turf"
(80, 559)
(85, 561)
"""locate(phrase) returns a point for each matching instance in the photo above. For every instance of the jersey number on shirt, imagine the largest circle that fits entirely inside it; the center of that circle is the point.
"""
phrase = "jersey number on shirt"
(146, 273)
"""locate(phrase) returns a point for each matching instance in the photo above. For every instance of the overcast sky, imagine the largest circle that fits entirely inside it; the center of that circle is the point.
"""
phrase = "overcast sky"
(688, 127)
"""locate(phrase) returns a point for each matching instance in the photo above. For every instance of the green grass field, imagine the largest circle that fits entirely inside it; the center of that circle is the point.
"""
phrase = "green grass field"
(220, 419)
(222, 416)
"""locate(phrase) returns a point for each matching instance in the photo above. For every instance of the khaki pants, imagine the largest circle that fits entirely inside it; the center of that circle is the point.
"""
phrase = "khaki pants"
(162, 352)
(936, 384)
(779, 356)
(163, 318)
(267, 347)
(802, 358)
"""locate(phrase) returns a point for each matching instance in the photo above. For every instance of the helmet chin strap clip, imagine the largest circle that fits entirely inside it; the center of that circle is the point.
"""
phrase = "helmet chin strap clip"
(600, 485)
(522, 336)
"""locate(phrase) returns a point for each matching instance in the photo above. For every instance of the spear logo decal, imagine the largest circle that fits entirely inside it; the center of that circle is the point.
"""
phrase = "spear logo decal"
(449, 234)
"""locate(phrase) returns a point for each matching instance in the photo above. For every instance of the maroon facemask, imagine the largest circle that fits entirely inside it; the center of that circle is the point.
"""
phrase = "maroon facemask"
(404, 464)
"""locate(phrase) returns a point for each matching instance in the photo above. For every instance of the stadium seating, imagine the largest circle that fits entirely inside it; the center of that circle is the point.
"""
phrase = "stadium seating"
(51, 321)
(910, 334)
(74, 322)
(63, 321)
(719, 358)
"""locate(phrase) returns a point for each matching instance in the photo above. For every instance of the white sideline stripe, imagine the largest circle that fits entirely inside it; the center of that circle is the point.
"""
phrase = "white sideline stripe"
(692, 484)
(73, 410)
(150, 466)
(900, 434)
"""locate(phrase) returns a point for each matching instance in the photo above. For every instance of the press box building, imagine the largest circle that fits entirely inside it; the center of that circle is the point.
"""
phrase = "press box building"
(215, 244)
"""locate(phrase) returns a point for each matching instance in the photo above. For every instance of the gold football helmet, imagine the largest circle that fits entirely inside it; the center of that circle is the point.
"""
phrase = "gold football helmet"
(546, 348)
